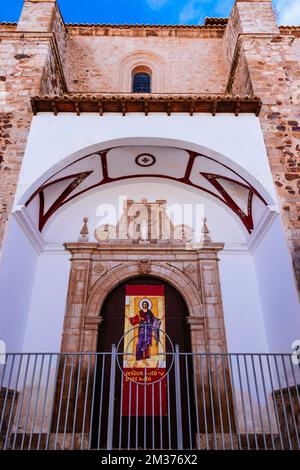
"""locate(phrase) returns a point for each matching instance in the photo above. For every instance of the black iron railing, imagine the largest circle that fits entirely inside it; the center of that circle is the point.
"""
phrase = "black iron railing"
(201, 401)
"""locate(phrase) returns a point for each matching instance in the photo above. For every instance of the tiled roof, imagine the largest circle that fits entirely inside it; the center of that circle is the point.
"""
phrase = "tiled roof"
(126, 103)
(219, 23)
(293, 30)
(140, 26)
(215, 21)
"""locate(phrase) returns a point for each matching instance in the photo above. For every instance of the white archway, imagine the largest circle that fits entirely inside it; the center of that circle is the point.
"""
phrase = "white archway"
(128, 141)
(188, 165)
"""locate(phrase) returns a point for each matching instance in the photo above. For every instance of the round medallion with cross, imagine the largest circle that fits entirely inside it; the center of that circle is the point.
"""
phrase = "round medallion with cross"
(145, 159)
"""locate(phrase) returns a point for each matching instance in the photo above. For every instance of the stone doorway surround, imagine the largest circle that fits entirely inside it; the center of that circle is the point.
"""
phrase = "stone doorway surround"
(96, 269)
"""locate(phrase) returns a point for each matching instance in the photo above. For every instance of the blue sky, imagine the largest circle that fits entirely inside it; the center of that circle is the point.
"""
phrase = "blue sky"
(148, 11)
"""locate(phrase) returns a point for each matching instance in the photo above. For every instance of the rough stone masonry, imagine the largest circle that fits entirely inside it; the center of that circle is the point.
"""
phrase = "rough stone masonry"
(248, 54)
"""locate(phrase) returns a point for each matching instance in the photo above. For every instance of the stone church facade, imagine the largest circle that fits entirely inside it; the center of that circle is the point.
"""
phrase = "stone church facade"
(156, 152)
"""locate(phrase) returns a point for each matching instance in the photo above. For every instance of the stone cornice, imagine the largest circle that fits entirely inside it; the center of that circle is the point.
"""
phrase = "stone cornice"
(213, 25)
(144, 30)
(126, 103)
(133, 250)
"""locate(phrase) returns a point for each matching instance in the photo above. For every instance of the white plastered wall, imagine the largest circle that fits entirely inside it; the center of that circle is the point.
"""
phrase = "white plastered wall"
(251, 293)
(243, 308)
(236, 141)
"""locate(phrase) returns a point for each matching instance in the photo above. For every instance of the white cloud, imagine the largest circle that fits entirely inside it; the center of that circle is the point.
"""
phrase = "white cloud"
(288, 11)
(191, 11)
(157, 4)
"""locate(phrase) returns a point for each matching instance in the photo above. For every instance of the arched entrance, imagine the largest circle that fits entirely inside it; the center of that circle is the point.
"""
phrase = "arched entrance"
(98, 274)
(96, 269)
(148, 424)
(112, 314)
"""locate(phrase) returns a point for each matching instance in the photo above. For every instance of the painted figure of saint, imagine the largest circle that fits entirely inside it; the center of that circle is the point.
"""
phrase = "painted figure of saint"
(148, 325)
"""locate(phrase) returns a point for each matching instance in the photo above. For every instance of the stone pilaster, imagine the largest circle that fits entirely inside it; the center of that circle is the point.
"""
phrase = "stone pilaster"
(198, 337)
(76, 304)
(213, 306)
(90, 334)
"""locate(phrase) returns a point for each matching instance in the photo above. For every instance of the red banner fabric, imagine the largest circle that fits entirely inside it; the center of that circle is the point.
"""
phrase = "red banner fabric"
(144, 398)
(144, 381)
(146, 290)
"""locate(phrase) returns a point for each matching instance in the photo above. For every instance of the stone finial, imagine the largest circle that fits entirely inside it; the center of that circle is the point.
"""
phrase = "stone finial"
(84, 233)
(205, 232)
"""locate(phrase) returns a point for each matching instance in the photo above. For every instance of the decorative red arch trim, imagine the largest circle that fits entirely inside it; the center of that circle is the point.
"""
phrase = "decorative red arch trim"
(77, 178)
(246, 218)
(76, 181)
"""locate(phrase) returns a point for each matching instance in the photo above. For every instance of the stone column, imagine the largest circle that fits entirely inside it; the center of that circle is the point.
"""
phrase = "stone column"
(264, 62)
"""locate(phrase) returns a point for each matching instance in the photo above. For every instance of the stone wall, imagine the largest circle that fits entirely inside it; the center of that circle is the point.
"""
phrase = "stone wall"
(296, 47)
(29, 64)
(267, 59)
(185, 63)
(37, 13)
(248, 55)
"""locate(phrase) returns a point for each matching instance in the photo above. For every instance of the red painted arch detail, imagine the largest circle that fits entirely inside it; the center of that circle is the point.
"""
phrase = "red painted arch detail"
(77, 178)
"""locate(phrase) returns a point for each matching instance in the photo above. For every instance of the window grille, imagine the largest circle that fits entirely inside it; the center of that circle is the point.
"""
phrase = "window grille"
(141, 83)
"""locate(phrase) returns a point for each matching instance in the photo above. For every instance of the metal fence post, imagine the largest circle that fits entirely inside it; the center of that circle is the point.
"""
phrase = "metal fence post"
(111, 406)
(178, 399)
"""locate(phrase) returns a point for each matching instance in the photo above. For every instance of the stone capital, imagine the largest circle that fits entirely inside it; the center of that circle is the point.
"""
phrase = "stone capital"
(92, 323)
(195, 323)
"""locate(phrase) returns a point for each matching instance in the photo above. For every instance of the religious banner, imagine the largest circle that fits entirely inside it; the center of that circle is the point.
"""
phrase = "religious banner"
(144, 360)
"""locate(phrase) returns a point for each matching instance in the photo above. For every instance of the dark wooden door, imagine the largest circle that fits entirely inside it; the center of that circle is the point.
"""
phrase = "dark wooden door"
(157, 429)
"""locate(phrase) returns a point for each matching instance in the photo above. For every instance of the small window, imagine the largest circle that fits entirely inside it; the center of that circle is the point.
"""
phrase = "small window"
(141, 83)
